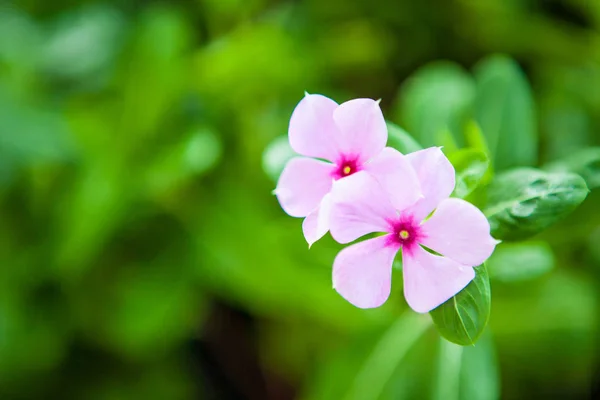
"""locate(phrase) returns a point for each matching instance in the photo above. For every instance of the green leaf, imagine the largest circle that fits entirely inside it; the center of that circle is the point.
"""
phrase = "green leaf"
(401, 140)
(471, 166)
(568, 126)
(525, 201)
(436, 98)
(475, 138)
(275, 156)
(506, 112)
(446, 140)
(513, 262)
(463, 318)
(585, 162)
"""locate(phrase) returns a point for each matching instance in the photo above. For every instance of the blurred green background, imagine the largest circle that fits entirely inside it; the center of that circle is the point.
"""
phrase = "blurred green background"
(142, 255)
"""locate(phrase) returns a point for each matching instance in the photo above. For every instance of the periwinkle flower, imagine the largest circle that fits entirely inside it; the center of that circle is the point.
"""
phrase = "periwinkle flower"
(456, 230)
(352, 137)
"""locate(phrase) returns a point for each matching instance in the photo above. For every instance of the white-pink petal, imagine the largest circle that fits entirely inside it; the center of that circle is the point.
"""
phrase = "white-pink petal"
(359, 206)
(312, 131)
(316, 224)
(430, 280)
(396, 175)
(459, 230)
(302, 185)
(436, 176)
(362, 272)
(362, 128)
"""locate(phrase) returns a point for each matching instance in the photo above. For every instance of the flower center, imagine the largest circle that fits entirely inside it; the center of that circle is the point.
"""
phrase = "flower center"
(406, 232)
(346, 166)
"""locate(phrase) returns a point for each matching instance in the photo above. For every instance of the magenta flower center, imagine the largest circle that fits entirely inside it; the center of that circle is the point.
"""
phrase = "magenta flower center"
(346, 167)
(406, 232)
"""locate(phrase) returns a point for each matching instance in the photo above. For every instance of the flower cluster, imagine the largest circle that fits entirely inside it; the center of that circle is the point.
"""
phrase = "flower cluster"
(366, 187)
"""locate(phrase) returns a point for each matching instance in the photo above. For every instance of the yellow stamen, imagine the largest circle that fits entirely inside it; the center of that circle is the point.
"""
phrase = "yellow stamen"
(404, 234)
(347, 170)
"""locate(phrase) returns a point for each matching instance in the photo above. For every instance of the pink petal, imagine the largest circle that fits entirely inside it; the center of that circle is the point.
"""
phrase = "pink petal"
(312, 131)
(362, 273)
(362, 128)
(436, 176)
(302, 185)
(431, 280)
(396, 175)
(460, 231)
(316, 224)
(359, 206)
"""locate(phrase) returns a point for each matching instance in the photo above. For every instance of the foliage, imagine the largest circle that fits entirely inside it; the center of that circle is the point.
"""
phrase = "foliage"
(135, 215)
(463, 318)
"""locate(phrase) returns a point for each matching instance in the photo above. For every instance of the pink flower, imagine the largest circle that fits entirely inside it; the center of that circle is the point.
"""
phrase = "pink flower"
(457, 230)
(352, 137)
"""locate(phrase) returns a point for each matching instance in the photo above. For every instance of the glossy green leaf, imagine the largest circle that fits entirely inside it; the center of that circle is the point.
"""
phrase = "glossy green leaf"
(401, 140)
(471, 166)
(513, 262)
(275, 156)
(525, 201)
(506, 112)
(585, 162)
(438, 97)
(463, 318)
